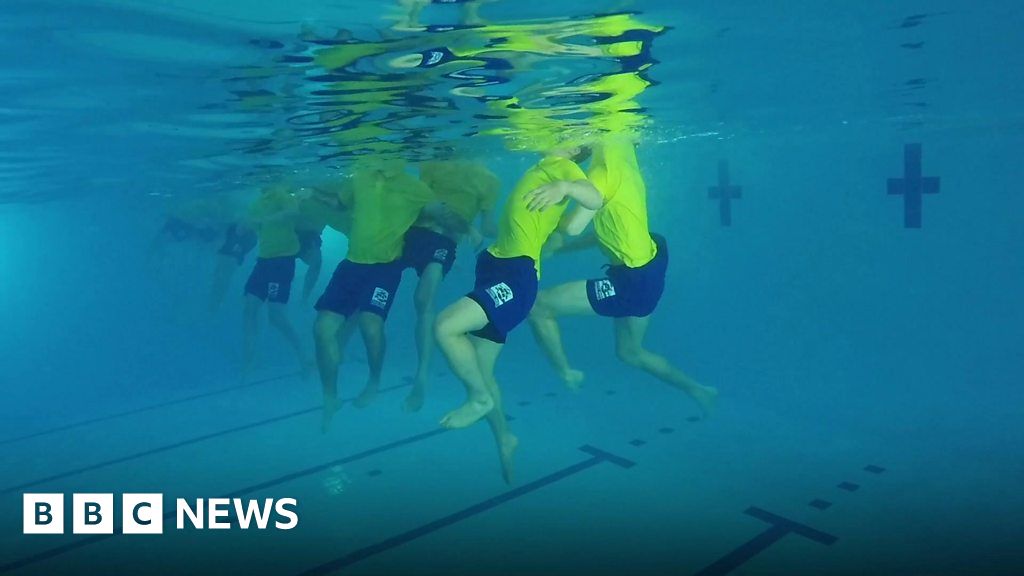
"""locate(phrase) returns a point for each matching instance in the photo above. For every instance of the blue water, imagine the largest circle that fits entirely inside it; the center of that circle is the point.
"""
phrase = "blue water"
(839, 338)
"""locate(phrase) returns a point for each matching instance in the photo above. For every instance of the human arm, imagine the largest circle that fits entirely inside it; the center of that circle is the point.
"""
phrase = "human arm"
(553, 193)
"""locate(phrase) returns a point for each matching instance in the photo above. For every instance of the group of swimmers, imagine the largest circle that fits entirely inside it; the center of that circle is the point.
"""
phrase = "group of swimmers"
(394, 221)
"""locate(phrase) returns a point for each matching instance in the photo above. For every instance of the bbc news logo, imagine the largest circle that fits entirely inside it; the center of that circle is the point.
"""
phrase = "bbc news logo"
(144, 513)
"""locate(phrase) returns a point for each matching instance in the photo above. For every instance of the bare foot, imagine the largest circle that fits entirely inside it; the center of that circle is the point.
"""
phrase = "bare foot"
(414, 401)
(706, 397)
(367, 396)
(468, 413)
(330, 409)
(573, 379)
(508, 447)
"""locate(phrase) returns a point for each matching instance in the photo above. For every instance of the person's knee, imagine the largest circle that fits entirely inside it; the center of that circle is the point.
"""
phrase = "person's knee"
(541, 309)
(443, 325)
(630, 355)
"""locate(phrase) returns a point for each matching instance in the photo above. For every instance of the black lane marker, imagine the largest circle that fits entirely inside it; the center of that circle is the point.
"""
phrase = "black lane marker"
(143, 409)
(170, 515)
(848, 486)
(874, 469)
(637, 442)
(598, 456)
(820, 504)
(780, 527)
(168, 447)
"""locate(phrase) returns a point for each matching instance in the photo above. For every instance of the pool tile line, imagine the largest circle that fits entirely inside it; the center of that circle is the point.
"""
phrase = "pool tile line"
(779, 527)
(597, 456)
(175, 445)
(409, 440)
(141, 409)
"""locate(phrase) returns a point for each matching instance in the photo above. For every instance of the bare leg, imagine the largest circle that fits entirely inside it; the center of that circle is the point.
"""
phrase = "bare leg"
(487, 355)
(629, 338)
(564, 300)
(372, 327)
(250, 331)
(426, 290)
(314, 262)
(279, 319)
(328, 357)
(222, 274)
(452, 331)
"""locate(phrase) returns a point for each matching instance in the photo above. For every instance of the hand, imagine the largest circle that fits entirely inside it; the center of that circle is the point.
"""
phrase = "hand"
(545, 196)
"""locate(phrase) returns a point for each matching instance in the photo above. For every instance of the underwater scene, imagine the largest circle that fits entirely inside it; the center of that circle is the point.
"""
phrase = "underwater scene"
(418, 287)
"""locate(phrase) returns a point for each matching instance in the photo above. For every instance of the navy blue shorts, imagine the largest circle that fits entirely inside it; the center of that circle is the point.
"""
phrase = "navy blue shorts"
(309, 241)
(361, 288)
(631, 291)
(506, 289)
(423, 247)
(238, 242)
(271, 279)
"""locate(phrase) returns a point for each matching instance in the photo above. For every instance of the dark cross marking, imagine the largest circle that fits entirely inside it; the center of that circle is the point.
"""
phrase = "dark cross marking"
(780, 527)
(848, 486)
(597, 456)
(912, 186)
(820, 504)
(724, 193)
(874, 469)
(638, 442)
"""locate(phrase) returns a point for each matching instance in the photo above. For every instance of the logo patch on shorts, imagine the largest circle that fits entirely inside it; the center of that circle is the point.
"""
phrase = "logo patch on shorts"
(603, 289)
(441, 255)
(380, 298)
(500, 293)
(272, 289)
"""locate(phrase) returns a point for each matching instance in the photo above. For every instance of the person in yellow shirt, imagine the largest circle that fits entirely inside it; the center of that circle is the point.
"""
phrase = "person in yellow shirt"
(273, 216)
(472, 331)
(635, 277)
(315, 213)
(468, 192)
(385, 202)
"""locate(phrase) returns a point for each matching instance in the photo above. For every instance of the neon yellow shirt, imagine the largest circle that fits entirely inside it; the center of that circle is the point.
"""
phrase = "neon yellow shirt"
(621, 224)
(277, 238)
(385, 203)
(522, 232)
(467, 188)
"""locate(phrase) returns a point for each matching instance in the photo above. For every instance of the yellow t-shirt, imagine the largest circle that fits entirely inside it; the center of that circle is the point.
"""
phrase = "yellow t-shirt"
(467, 188)
(522, 232)
(621, 224)
(384, 205)
(277, 238)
